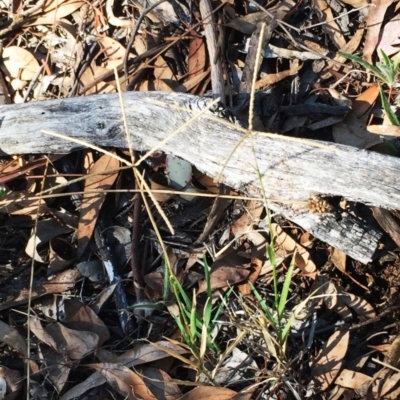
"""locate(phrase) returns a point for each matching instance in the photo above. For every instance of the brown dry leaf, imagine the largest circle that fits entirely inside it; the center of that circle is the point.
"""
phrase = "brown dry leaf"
(159, 181)
(82, 317)
(196, 61)
(195, 81)
(150, 352)
(376, 15)
(11, 166)
(390, 39)
(91, 74)
(124, 381)
(159, 382)
(57, 370)
(331, 27)
(61, 254)
(230, 269)
(44, 231)
(209, 393)
(352, 131)
(358, 305)
(37, 329)
(14, 383)
(224, 276)
(335, 302)
(290, 246)
(248, 219)
(393, 355)
(154, 285)
(58, 9)
(162, 69)
(329, 361)
(74, 344)
(391, 388)
(351, 46)
(12, 338)
(351, 379)
(245, 394)
(339, 259)
(247, 24)
(20, 63)
(94, 380)
(380, 347)
(388, 223)
(389, 130)
(11, 171)
(113, 51)
(58, 284)
(306, 240)
(140, 354)
(257, 265)
(206, 181)
(92, 202)
(270, 79)
(168, 85)
(355, 3)
(365, 100)
(15, 203)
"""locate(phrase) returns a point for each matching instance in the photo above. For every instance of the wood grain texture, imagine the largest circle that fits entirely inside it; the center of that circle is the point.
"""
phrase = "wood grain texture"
(291, 170)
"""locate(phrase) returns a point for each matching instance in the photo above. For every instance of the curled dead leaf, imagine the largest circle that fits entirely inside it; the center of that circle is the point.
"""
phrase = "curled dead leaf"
(352, 379)
(124, 381)
(20, 63)
(330, 360)
(209, 393)
(92, 202)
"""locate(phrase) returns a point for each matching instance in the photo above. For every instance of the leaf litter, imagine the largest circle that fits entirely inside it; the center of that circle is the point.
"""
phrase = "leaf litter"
(227, 256)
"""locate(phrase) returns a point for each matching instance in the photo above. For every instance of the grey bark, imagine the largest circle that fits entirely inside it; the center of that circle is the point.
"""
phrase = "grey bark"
(291, 169)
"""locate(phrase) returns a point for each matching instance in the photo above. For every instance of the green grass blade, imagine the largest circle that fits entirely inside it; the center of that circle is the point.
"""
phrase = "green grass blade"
(285, 289)
(364, 64)
(182, 330)
(388, 110)
(207, 276)
(386, 74)
(166, 283)
(193, 317)
(207, 312)
(272, 259)
(183, 295)
(286, 329)
(221, 306)
(263, 305)
(396, 62)
(208, 305)
(386, 60)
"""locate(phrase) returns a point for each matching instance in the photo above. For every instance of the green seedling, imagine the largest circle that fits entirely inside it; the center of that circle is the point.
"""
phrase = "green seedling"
(386, 71)
(388, 110)
(196, 330)
(276, 313)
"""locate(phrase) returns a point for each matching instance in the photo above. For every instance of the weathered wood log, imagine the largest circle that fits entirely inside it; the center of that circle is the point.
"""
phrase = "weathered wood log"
(291, 169)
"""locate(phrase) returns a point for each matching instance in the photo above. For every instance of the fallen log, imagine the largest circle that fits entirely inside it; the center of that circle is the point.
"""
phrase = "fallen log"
(291, 169)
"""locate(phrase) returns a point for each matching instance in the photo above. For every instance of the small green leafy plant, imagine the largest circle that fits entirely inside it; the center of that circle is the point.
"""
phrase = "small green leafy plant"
(276, 312)
(386, 71)
(388, 110)
(196, 330)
